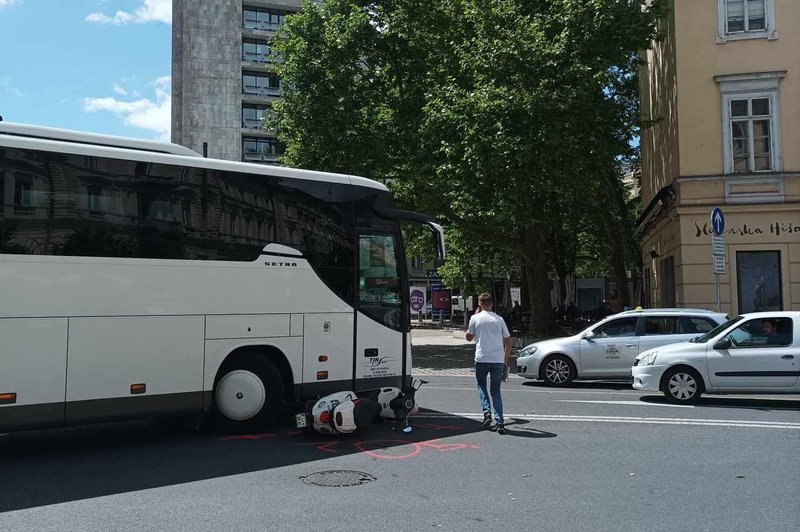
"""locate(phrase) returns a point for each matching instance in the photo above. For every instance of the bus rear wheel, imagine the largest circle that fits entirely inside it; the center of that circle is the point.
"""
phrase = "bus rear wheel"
(248, 395)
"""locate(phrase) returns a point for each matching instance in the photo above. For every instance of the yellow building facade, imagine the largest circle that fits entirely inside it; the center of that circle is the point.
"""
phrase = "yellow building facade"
(722, 93)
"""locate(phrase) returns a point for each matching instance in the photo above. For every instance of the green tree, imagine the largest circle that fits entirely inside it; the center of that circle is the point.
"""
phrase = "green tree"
(503, 116)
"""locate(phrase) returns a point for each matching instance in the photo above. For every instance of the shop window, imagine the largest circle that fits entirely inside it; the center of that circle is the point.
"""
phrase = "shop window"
(758, 278)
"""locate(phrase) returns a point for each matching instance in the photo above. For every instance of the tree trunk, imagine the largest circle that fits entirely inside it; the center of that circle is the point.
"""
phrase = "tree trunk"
(614, 219)
(562, 287)
(618, 263)
(537, 270)
(524, 290)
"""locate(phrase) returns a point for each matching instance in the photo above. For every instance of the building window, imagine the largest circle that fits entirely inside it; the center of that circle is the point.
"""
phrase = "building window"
(745, 19)
(93, 198)
(187, 213)
(257, 51)
(261, 84)
(253, 116)
(750, 134)
(261, 150)
(255, 18)
(751, 122)
(758, 276)
(668, 282)
(23, 193)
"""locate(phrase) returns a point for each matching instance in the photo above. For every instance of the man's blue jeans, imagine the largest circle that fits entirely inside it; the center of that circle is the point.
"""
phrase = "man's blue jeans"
(495, 373)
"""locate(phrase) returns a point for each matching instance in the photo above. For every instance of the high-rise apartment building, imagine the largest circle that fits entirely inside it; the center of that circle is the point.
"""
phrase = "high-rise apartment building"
(223, 76)
(723, 89)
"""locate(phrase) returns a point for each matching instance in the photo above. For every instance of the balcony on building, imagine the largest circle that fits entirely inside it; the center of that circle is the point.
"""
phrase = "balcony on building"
(264, 84)
(259, 53)
(263, 150)
(262, 19)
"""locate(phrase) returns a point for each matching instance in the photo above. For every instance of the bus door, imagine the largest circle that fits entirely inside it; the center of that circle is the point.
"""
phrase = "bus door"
(380, 317)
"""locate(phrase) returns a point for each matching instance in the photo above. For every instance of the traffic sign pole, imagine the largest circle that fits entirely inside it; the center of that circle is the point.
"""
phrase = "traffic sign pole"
(718, 247)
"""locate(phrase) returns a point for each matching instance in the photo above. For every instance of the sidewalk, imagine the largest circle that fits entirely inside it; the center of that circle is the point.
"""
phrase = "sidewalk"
(440, 352)
(447, 352)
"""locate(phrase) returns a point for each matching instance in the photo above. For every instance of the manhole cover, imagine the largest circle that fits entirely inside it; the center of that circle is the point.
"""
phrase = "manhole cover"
(338, 478)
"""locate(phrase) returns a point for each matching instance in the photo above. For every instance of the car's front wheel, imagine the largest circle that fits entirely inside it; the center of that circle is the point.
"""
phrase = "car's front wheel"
(558, 370)
(682, 385)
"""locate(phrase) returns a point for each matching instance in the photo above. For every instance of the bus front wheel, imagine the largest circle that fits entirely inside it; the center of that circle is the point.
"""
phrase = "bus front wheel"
(247, 394)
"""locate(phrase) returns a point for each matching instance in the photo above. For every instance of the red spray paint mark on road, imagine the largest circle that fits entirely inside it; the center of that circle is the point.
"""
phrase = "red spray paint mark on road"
(324, 446)
(370, 448)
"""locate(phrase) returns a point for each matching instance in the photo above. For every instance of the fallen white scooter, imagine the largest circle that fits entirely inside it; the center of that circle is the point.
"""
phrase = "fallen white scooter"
(344, 412)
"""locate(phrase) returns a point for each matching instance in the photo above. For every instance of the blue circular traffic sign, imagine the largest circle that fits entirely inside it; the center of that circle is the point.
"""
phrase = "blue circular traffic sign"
(717, 221)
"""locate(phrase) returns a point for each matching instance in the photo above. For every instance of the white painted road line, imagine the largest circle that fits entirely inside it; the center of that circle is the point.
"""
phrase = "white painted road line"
(636, 403)
(635, 420)
(553, 391)
(754, 397)
(645, 403)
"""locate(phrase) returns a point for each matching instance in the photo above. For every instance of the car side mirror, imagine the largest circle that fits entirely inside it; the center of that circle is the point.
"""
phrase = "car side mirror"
(723, 344)
(588, 335)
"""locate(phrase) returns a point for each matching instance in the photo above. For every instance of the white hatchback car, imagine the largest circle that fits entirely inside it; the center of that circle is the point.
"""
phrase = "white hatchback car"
(752, 353)
(607, 349)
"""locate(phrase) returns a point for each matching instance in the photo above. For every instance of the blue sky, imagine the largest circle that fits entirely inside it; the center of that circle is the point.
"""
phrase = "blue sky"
(92, 65)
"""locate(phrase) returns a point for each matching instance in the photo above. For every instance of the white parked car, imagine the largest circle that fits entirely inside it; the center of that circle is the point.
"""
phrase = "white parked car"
(752, 353)
(607, 349)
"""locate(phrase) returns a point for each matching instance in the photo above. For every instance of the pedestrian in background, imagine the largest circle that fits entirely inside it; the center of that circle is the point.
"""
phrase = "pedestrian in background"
(614, 304)
(492, 349)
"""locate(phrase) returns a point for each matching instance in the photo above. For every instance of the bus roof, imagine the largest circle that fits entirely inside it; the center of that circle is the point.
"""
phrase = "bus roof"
(66, 135)
(65, 141)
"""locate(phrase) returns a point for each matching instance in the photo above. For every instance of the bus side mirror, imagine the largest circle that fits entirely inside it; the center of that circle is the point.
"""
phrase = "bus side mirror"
(723, 344)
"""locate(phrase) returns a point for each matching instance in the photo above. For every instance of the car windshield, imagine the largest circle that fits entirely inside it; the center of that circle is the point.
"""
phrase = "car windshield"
(715, 331)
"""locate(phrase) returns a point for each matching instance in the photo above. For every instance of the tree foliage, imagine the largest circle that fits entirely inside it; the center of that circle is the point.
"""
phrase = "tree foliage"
(505, 117)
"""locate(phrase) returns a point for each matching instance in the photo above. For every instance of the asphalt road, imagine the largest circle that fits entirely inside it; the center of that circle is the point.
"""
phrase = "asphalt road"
(597, 456)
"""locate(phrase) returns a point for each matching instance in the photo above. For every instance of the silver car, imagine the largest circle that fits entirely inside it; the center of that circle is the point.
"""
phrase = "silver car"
(607, 349)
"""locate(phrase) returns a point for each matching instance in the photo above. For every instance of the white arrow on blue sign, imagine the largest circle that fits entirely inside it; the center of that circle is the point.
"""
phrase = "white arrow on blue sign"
(717, 221)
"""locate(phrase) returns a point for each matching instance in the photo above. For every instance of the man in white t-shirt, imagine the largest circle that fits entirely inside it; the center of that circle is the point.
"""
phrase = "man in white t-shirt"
(493, 346)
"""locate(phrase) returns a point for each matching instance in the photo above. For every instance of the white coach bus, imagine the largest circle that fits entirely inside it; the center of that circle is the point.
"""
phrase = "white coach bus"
(138, 278)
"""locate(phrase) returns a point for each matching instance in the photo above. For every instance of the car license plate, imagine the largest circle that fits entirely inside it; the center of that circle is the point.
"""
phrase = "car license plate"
(301, 421)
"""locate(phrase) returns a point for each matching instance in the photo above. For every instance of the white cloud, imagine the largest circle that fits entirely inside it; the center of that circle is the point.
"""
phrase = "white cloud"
(8, 87)
(149, 11)
(152, 115)
(6, 3)
(120, 90)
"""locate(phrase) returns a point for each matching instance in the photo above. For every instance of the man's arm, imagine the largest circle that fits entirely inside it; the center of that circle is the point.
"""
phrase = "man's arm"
(471, 330)
(506, 342)
(507, 347)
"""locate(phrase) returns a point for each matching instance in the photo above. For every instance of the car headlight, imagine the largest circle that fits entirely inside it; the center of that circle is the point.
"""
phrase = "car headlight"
(528, 350)
(649, 359)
